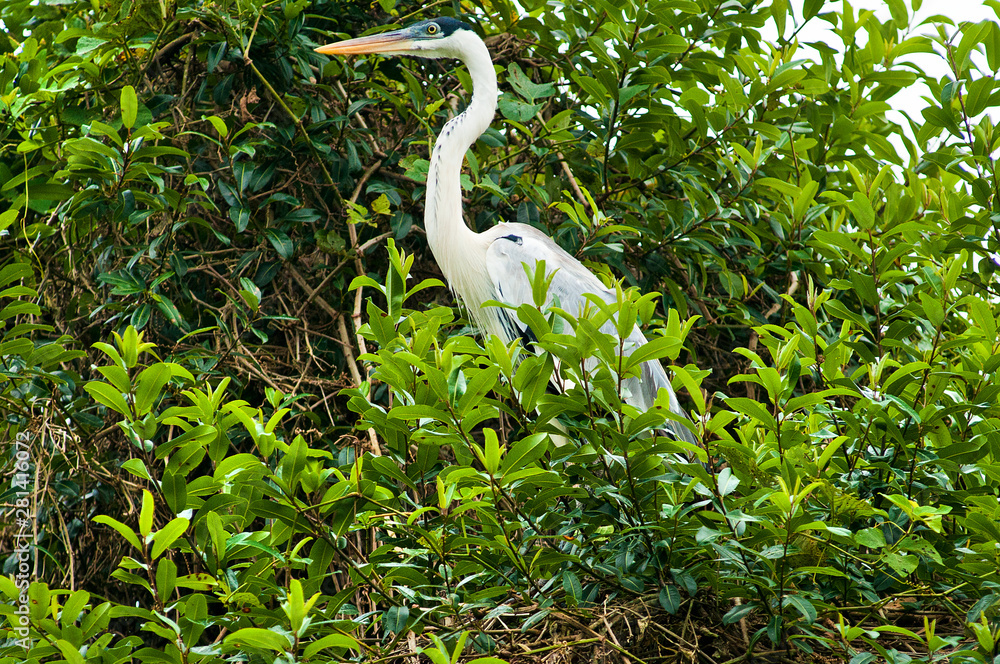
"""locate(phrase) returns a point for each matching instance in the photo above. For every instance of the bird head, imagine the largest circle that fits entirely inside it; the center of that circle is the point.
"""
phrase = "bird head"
(442, 37)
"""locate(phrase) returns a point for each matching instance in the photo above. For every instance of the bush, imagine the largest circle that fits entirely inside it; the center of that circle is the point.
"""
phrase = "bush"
(234, 386)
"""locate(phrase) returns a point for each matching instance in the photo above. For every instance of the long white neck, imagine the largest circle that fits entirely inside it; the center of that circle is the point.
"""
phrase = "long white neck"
(449, 238)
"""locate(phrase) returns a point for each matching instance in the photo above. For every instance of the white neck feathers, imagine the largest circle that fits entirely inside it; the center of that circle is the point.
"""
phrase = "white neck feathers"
(454, 245)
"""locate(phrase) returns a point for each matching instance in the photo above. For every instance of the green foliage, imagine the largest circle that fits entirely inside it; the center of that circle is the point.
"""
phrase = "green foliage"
(279, 440)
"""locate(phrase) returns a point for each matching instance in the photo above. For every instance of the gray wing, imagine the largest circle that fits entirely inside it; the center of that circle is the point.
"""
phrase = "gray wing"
(516, 245)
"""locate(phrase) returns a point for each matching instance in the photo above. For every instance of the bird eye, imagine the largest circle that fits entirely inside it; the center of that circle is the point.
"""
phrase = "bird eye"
(432, 29)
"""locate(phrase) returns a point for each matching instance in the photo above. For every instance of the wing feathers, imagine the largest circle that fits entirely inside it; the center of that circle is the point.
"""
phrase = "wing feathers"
(515, 245)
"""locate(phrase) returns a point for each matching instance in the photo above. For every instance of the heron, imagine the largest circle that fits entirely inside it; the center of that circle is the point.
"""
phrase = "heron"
(489, 267)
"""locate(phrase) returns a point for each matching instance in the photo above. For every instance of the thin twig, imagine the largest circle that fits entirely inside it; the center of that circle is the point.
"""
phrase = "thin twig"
(574, 185)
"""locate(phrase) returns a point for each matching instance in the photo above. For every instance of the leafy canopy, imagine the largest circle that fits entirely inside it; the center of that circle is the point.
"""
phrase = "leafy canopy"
(234, 385)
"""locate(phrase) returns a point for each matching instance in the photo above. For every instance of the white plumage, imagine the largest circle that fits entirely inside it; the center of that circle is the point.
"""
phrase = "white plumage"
(481, 267)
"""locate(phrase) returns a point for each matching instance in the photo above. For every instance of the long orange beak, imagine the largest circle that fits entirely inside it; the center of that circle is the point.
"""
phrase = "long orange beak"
(397, 41)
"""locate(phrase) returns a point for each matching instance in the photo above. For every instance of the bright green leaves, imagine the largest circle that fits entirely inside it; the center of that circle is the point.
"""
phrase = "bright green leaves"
(153, 543)
(259, 639)
(129, 392)
(296, 609)
(70, 621)
(202, 430)
(503, 484)
(973, 34)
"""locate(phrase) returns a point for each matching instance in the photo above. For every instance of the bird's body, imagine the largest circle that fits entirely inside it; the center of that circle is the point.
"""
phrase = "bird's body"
(490, 266)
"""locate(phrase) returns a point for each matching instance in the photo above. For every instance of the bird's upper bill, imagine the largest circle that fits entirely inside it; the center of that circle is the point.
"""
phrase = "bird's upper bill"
(387, 43)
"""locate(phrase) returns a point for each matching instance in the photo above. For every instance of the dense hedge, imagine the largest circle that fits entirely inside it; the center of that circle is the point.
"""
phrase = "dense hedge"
(233, 385)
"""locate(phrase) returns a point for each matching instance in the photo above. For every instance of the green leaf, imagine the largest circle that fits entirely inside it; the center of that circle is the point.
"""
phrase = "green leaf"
(87, 146)
(897, 8)
(240, 217)
(337, 641)
(491, 451)
(516, 110)
(174, 488)
(864, 286)
(146, 514)
(972, 35)
(419, 411)
(118, 378)
(70, 652)
(862, 210)
(738, 613)
(993, 42)
(7, 217)
(978, 97)
(166, 536)
(396, 618)
(149, 387)
(837, 309)
(656, 349)
(129, 106)
(122, 529)
(830, 450)
(902, 564)
(294, 461)
(525, 86)
(803, 606)
(166, 579)
(388, 468)
(137, 468)
(170, 311)
(670, 599)
(840, 240)
(933, 309)
(572, 586)
(219, 124)
(524, 452)
(109, 397)
(753, 410)
(256, 637)
(74, 605)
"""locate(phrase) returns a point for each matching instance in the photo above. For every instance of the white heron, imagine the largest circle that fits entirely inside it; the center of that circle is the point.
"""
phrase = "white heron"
(489, 266)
